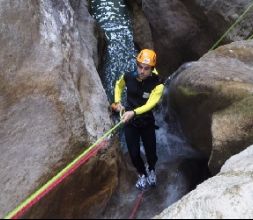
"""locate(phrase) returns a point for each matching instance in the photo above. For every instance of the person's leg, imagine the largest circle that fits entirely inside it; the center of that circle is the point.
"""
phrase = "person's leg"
(149, 142)
(132, 136)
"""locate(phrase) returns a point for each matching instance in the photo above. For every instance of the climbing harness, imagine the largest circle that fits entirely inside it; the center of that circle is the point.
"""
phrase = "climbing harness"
(91, 151)
(231, 27)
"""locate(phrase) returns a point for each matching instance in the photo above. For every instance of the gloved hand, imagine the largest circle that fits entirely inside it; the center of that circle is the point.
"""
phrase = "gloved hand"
(117, 107)
(127, 116)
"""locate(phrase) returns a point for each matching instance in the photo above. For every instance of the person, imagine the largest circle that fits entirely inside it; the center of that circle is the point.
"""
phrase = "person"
(144, 90)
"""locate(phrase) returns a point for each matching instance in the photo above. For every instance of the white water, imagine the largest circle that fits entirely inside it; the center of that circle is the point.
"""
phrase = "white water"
(114, 19)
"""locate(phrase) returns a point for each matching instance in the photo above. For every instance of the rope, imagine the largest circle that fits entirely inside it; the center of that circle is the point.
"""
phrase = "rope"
(251, 37)
(121, 113)
(56, 180)
(232, 26)
(137, 205)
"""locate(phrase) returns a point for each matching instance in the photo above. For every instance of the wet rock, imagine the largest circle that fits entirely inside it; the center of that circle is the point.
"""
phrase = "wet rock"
(52, 103)
(225, 196)
(213, 98)
(141, 27)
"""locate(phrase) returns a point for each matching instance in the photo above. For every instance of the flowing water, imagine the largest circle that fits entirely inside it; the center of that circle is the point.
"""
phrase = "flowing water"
(114, 19)
(172, 147)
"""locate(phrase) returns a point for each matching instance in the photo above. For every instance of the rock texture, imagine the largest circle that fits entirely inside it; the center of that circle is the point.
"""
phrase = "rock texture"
(213, 98)
(183, 31)
(141, 27)
(52, 103)
(225, 196)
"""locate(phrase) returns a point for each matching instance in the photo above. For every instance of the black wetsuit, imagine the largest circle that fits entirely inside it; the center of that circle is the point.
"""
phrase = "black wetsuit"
(142, 126)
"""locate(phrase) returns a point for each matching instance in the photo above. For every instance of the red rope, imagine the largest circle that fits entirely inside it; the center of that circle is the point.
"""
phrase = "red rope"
(137, 205)
(82, 161)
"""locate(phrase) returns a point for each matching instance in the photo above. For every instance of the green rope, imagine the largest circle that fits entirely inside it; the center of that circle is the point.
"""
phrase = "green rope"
(232, 26)
(251, 37)
(59, 175)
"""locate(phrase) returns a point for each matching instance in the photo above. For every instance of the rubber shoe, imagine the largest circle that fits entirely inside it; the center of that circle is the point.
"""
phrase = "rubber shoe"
(142, 182)
(151, 178)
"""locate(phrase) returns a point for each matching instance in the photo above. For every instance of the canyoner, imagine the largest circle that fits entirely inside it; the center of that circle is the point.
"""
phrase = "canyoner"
(144, 91)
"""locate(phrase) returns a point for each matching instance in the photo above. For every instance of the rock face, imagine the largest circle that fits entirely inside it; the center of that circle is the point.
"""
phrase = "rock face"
(213, 98)
(141, 27)
(220, 15)
(183, 31)
(225, 196)
(52, 103)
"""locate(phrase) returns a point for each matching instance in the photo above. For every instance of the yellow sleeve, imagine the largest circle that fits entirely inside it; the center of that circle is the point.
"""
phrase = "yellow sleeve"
(155, 71)
(119, 87)
(154, 98)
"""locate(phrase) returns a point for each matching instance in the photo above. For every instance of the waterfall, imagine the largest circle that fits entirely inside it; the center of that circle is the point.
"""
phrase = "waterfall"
(170, 138)
(114, 19)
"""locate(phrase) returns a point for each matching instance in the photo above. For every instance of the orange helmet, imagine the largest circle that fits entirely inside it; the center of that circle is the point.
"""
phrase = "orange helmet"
(147, 56)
